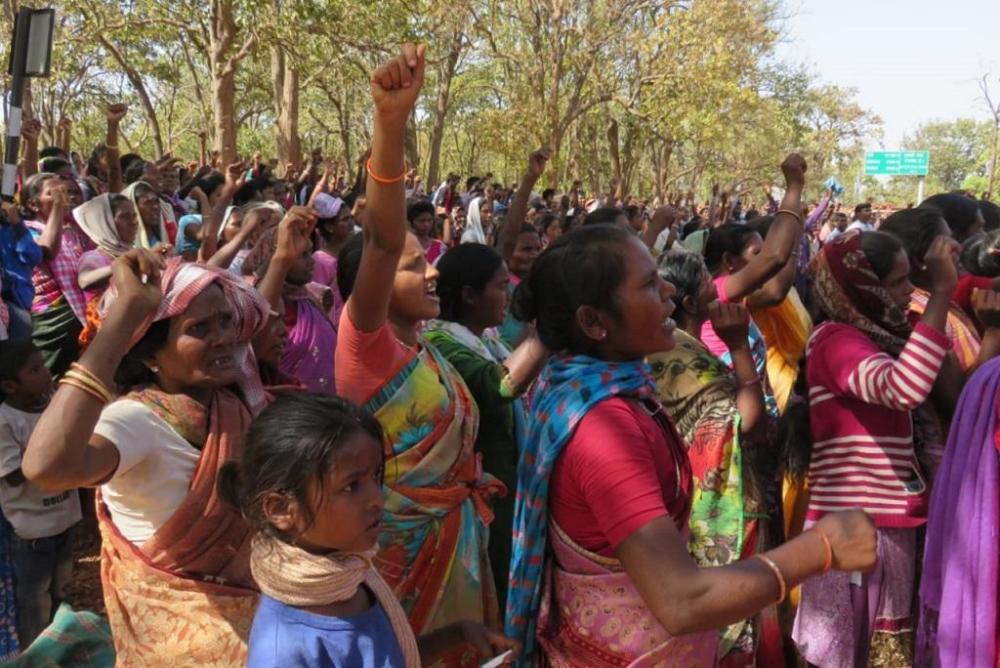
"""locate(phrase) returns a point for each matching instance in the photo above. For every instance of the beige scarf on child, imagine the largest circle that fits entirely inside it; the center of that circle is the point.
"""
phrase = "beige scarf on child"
(298, 578)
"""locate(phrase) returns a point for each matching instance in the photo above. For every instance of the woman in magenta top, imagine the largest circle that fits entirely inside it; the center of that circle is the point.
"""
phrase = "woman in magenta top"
(868, 370)
(601, 574)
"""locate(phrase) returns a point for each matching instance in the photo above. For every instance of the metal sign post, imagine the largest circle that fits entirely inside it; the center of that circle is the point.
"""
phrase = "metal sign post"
(30, 56)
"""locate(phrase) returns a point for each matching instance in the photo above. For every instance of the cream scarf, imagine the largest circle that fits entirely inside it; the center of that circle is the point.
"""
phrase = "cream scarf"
(298, 578)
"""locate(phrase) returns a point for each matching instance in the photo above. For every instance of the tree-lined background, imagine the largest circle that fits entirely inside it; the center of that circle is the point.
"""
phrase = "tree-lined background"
(653, 95)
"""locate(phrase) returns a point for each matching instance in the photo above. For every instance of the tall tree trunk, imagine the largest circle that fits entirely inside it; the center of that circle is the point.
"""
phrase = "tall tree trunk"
(223, 95)
(286, 109)
(139, 86)
(445, 77)
(616, 160)
(223, 63)
(411, 148)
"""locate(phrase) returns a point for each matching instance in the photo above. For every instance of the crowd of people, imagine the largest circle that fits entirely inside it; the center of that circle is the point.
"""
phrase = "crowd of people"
(330, 424)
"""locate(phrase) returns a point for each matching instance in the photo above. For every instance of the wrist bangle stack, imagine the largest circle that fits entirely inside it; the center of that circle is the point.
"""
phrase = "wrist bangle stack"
(83, 379)
(782, 587)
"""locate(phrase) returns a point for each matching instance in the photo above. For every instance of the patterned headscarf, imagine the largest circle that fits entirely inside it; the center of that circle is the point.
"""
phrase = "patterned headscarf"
(847, 289)
(181, 282)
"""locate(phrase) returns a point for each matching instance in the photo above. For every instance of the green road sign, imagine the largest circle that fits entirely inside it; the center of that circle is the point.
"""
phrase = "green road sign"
(897, 163)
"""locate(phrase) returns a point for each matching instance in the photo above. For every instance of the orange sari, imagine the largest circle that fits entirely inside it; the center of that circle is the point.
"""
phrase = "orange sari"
(187, 591)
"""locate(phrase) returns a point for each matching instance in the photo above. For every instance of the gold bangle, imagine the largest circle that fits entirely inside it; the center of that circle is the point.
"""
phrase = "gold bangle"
(798, 216)
(101, 385)
(97, 387)
(782, 587)
(80, 386)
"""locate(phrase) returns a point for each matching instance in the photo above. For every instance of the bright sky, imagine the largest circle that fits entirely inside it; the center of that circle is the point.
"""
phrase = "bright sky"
(911, 60)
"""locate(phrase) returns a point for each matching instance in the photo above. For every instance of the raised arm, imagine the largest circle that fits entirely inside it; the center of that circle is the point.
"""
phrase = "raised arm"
(51, 237)
(696, 599)
(235, 176)
(782, 239)
(294, 234)
(519, 207)
(63, 452)
(114, 114)
(731, 323)
(30, 130)
(395, 87)
(663, 217)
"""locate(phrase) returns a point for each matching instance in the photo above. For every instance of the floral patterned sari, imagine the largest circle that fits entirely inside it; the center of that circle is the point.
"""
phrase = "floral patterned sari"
(434, 540)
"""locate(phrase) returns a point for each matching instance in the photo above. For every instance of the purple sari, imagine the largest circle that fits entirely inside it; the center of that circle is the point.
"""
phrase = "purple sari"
(958, 593)
(308, 356)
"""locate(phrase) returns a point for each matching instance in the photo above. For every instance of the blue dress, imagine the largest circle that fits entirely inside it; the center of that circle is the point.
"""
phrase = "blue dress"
(8, 603)
(283, 636)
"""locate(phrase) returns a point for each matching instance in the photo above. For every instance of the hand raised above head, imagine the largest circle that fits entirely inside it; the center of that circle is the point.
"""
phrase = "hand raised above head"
(794, 169)
(397, 83)
(136, 277)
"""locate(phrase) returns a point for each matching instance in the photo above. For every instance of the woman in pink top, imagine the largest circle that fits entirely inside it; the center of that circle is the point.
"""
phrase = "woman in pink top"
(111, 222)
(601, 574)
(868, 369)
(334, 227)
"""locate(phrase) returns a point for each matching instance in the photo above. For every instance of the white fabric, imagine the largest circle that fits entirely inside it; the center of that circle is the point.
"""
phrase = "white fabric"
(474, 233)
(859, 225)
(32, 512)
(490, 346)
(154, 470)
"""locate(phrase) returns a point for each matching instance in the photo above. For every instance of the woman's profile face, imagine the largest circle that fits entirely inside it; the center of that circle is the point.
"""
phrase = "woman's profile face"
(126, 222)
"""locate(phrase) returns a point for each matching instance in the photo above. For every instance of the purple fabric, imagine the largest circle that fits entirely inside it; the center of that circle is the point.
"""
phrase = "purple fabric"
(308, 355)
(958, 593)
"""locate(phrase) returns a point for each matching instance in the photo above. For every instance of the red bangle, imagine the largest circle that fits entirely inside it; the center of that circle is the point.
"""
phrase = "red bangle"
(829, 550)
(381, 179)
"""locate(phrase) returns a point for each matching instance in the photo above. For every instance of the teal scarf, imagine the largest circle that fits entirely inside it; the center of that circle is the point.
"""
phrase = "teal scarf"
(568, 387)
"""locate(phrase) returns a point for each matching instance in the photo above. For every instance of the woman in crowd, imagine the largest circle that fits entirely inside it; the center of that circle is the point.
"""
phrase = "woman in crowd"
(59, 307)
(175, 560)
(719, 413)
(472, 287)
(601, 572)
(434, 541)
(153, 214)
(868, 368)
(422, 219)
(111, 223)
(478, 222)
(334, 227)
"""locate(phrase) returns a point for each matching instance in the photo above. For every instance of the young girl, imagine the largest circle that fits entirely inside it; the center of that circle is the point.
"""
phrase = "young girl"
(868, 369)
(310, 484)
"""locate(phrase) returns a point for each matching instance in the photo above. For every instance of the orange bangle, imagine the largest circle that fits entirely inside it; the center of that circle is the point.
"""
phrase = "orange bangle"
(381, 179)
(782, 587)
(829, 550)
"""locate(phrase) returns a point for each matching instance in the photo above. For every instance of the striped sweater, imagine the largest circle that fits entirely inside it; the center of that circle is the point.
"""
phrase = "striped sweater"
(860, 400)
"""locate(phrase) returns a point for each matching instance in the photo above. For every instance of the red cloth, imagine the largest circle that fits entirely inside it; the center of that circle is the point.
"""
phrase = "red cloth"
(963, 294)
(365, 361)
(618, 473)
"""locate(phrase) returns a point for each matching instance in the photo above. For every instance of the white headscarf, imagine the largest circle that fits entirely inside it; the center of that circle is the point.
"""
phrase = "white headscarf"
(166, 213)
(474, 233)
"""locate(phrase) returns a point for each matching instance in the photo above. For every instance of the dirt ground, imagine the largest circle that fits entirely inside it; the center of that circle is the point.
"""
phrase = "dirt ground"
(84, 590)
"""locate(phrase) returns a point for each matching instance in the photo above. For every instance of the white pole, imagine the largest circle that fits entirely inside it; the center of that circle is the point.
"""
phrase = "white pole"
(920, 190)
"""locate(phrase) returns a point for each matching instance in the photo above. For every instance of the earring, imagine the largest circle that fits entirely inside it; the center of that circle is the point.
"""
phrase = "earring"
(602, 335)
(154, 368)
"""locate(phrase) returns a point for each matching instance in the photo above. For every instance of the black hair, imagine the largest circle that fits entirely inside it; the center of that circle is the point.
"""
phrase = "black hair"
(14, 355)
(135, 171)
(250, 189)
(991, 214)
(93, 162)
(52, 152)
(528, 228)
(728, 238)
(141, 188)
(471, 181)
(293, 442)
(583, 267)
(115, 200)
(419, 208)
(861, 207)
(348, 264)
(762, 224)
(546, 221)
(685, 271)
(548, 192)
(54, 164)
(691, 227)
(132, 371)
(472, 265)
(959, 211)
(32, 190)
(603, 215)
(210, 183)
(915, 229)
(880, 249)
